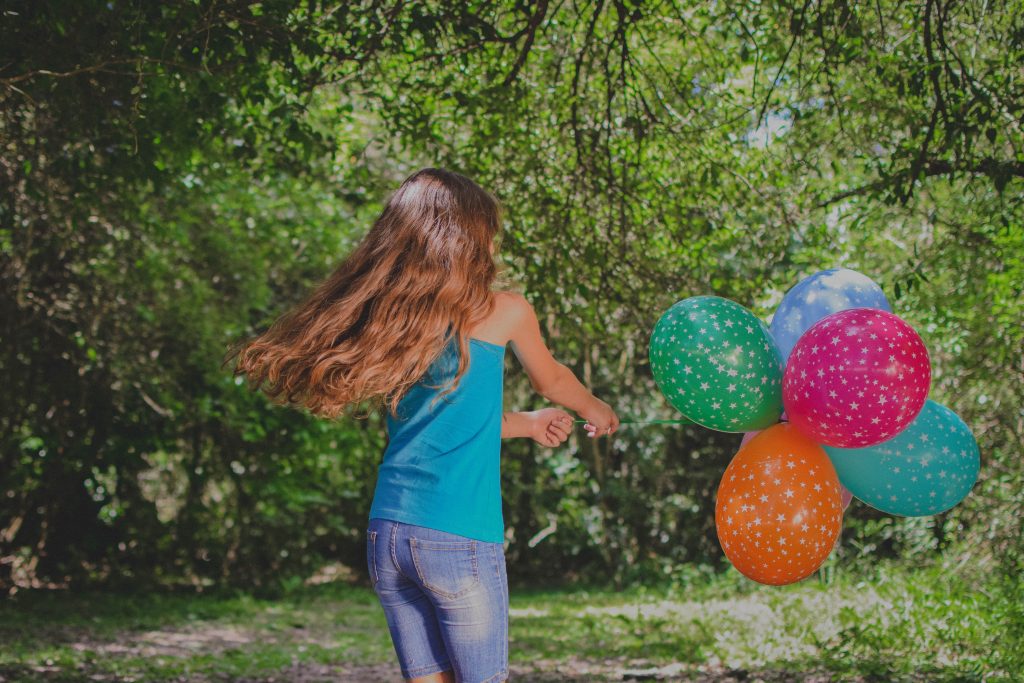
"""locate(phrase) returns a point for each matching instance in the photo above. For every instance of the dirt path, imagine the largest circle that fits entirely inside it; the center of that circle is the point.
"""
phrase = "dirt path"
(544, 672)
(565, 672)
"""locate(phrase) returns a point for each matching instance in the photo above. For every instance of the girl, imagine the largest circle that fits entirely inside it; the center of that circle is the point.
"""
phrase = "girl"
(410, 320)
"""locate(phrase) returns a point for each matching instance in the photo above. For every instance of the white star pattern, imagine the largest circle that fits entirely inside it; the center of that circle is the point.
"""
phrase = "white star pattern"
(794, 533)
(715, 348)
(862, 403)
(917, 472)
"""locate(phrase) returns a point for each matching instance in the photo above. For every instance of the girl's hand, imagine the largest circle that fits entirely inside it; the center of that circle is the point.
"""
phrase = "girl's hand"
(549, 426)
(601, 419)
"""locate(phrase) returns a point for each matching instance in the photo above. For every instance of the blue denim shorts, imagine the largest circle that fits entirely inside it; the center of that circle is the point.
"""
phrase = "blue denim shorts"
(445, 598)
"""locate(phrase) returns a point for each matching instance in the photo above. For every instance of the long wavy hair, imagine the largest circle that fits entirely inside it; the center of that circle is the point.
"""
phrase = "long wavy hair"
(421, 277)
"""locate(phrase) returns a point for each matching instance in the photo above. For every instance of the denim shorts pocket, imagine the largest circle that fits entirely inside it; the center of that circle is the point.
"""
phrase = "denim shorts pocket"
(449, 569)
(371, 556)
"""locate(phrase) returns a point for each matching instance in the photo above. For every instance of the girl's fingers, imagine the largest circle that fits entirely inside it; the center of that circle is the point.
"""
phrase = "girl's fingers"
(558, 430)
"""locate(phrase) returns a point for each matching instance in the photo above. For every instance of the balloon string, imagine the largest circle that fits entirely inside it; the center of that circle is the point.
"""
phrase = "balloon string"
(648, 422)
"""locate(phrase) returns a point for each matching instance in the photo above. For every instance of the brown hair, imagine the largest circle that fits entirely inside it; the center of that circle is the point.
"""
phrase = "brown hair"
(376, 324)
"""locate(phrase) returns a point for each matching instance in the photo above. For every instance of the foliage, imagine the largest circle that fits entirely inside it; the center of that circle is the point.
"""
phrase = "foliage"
(174, 175)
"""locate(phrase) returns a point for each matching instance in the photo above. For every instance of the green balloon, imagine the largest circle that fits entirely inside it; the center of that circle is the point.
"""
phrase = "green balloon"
(717, 364)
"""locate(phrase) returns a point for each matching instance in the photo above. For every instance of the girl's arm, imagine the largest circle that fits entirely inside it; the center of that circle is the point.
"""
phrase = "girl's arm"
(551, 379)
(514, 425)
(548, 426)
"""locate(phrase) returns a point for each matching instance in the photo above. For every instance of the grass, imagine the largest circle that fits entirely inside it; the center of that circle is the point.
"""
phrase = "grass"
(899, 624)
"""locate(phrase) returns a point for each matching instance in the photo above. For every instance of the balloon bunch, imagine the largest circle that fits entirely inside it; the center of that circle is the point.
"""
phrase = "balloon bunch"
(834, 402)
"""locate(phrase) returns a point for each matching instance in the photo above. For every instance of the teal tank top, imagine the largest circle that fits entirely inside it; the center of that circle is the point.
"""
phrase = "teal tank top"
(441, 466)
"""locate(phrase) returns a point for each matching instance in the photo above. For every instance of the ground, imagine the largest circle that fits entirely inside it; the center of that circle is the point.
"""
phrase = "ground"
(906, 626)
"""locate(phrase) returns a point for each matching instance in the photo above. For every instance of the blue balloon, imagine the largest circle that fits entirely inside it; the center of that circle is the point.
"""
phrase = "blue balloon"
(926, 469)
(819, 295)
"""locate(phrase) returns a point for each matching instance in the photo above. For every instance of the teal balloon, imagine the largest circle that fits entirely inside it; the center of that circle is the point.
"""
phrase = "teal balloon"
(926, 469)
(717, 364)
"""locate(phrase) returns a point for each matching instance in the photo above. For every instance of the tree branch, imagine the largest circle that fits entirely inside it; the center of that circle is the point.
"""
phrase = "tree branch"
(932, 168)
(531, 33)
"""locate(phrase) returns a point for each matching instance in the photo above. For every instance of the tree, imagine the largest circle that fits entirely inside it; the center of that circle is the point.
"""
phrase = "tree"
(185, 171)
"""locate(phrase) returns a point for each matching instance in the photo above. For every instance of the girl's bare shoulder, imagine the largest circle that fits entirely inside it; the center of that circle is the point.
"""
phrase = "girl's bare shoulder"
(509, 301)
(509, 310)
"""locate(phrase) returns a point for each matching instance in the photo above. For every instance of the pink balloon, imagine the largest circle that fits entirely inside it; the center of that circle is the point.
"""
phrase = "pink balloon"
(846, 495)
(747, 436)
(856, 378)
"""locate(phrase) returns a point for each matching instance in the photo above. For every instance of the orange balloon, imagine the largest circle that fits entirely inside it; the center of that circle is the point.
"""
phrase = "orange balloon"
(779, 507)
